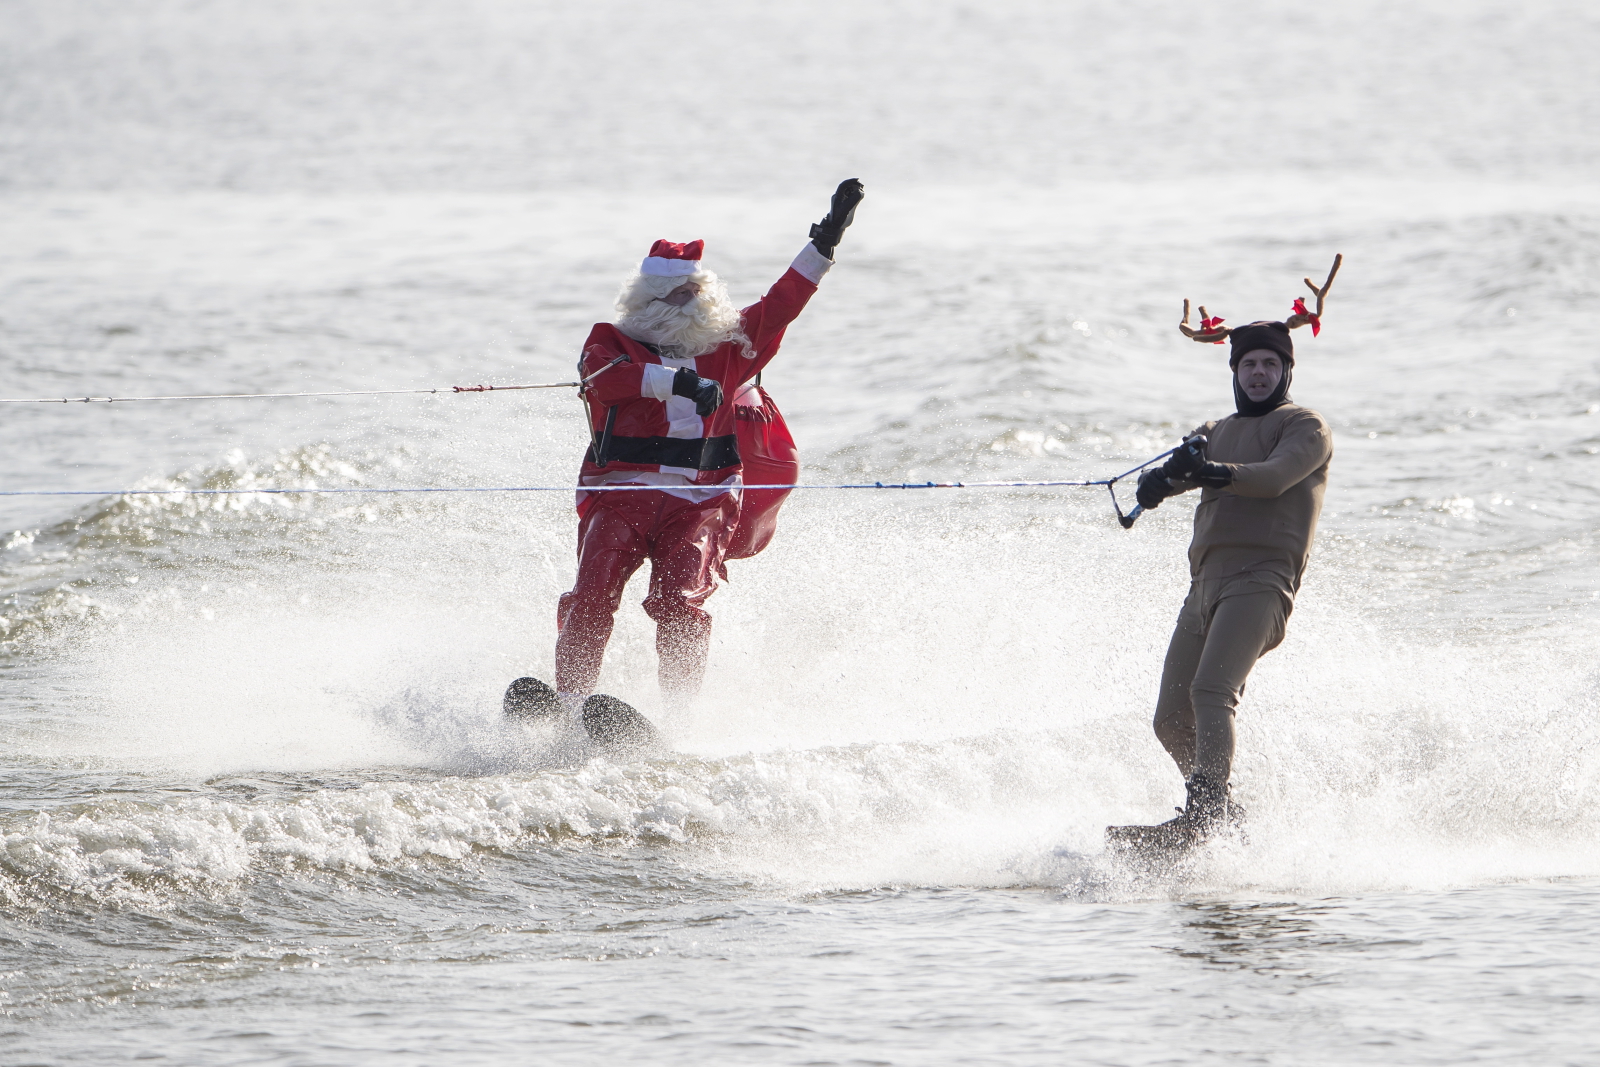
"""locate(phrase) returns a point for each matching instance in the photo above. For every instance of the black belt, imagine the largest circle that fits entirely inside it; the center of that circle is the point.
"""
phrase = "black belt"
(695, 453)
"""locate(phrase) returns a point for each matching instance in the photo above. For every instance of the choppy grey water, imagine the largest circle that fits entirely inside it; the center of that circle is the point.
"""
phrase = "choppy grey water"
(257, 804)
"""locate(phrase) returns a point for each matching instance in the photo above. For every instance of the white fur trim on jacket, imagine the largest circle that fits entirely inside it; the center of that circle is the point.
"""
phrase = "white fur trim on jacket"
(811, 264)
(657, 381)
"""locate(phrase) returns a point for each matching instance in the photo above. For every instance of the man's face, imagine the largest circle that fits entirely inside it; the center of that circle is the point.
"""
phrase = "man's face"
(1259, 373)
(681, 295)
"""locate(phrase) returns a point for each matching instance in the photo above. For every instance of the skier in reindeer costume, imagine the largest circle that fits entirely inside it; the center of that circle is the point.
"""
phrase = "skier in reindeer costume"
(1262, 472)
(662, 410)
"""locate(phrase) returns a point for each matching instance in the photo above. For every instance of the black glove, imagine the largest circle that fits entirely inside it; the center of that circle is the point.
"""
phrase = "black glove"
(1153, 489)
(1189, 464)
(705, 392)
(841, 213)
(1186, 461)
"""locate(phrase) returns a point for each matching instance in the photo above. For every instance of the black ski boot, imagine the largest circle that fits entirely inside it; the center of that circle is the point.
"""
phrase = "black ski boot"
(1203, 817)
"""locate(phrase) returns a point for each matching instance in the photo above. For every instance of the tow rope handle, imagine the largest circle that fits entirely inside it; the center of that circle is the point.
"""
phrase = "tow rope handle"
(604, 444)
(1132, 517)
(598, 444)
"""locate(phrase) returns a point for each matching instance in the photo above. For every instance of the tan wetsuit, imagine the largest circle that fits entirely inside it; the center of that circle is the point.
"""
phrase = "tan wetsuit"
(1251, 543)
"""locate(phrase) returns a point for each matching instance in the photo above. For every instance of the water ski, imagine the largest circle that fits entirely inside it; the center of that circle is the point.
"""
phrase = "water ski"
(612, 725)
(617, 727)
(530, 700)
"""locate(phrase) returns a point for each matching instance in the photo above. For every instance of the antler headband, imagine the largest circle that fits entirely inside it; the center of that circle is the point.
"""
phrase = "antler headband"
(1212, 331)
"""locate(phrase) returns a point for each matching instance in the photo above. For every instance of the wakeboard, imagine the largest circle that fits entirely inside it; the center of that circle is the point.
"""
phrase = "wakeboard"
(614, 726)
(1175, 837)
(1163, 839)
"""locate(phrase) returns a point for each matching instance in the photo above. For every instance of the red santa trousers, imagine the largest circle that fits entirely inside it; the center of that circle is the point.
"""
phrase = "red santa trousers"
(685, 542)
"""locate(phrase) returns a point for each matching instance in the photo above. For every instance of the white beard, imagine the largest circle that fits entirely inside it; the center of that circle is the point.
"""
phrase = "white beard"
(705, 322)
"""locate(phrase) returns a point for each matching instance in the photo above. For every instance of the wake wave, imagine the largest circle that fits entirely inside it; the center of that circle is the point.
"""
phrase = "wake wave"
(121, 852)
(1005, 809)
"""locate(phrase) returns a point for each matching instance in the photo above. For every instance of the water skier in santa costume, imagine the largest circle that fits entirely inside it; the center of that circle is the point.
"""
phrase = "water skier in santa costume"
(661, 414)
(1262, 472)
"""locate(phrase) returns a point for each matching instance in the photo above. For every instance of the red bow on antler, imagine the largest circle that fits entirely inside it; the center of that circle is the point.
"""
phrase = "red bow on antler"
(1315, 321)
(1207, 325)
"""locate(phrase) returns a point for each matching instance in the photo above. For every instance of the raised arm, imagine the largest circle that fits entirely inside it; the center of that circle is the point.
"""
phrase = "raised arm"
(766, 319)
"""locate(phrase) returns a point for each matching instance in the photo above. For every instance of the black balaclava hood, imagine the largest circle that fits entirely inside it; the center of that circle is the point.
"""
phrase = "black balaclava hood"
(1274, 337)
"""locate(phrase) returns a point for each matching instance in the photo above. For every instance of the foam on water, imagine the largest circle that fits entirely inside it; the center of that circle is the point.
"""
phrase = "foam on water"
(910, 746)
(1009, 808)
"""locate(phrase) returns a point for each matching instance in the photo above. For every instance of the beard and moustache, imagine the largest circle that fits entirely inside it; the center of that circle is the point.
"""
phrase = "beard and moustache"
(705, 322)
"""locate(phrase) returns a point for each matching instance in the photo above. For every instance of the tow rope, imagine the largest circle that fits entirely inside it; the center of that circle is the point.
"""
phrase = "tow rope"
(276, 396)
(337, 392)
(1126, 520)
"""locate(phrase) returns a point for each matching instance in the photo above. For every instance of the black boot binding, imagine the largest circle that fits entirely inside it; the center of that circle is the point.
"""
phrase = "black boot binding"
(1206, 814)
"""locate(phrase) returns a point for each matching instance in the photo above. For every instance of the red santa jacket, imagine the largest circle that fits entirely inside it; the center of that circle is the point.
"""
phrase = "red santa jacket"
(652, 430)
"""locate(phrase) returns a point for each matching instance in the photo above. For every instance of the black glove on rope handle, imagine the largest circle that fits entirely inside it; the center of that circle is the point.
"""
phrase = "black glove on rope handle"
(825, 235)
(1154, 487)
(1127, 520)
(1189, 464)
(705, 392)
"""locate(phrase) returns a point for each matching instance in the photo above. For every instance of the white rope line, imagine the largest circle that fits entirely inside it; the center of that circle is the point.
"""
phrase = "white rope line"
(552, 488)
(1109, 483)
(336, 392)
(275, 396)
(1046, 484)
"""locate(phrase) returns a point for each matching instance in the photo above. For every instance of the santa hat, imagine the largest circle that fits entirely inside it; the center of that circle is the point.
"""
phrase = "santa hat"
(668, 260)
